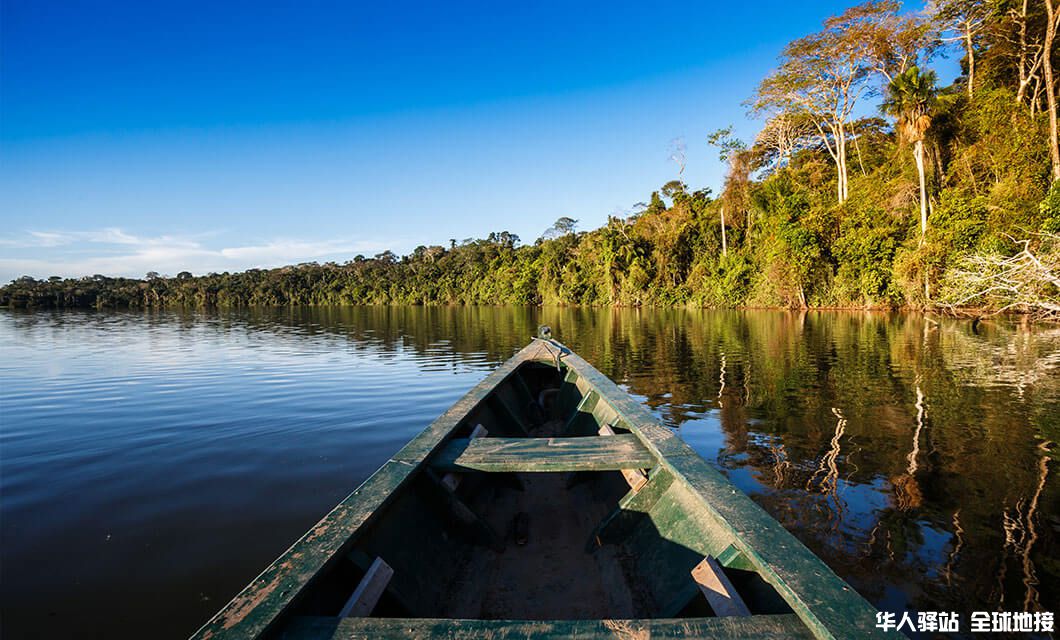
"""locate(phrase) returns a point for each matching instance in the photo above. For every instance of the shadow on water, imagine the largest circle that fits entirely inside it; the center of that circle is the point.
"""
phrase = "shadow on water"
(154, 462)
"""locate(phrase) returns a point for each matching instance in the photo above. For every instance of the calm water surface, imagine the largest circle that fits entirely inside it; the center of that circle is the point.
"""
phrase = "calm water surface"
(151, 464)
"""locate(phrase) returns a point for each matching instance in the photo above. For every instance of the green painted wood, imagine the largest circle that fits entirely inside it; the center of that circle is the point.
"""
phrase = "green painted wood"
(631, 510)
(421, 538)
(511, 394)
(256, 608)
(667, 545)
(824, 605)
(523, 389)
(603, 413)
(685, 594)
(733, 558)
(751, 628)
(569, 396)
(827, 605)
(544, 454)
(581, 422)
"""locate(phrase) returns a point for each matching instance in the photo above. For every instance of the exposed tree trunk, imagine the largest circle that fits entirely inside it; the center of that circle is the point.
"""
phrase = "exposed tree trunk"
(918, 155)
(1050, 87)
(724, 245)
(836, 146)
(970, 52)
(747, 235)
(1022, 61)
(1036, 94)
(841, 148)
(834, 152)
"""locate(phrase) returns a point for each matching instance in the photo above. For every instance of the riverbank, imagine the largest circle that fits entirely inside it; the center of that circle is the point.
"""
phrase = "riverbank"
(71, 301)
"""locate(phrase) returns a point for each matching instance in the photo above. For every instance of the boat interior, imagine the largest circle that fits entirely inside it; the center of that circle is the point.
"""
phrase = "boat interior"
(541, 505)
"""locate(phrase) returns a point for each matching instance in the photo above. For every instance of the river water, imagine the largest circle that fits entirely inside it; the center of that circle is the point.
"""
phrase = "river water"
(152, 463)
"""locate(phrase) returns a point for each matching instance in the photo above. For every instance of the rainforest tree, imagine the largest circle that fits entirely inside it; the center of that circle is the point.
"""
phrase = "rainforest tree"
(950, 199)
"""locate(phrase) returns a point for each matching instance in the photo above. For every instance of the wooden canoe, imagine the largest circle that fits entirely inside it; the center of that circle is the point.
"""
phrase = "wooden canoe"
(546, 503)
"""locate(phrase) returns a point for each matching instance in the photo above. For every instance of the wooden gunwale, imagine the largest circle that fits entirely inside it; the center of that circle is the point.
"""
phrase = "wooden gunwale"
(261, 603)
(826, 605)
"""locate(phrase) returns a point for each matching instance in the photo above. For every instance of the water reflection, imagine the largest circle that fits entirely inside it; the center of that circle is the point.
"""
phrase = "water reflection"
(912, 454)
(895, 446)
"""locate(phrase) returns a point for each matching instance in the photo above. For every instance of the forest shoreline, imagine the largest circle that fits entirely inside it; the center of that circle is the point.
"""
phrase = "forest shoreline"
(970, 313)
(950, 199)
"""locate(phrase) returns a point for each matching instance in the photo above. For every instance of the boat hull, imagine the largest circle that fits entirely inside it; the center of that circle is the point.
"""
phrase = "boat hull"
(547, 502)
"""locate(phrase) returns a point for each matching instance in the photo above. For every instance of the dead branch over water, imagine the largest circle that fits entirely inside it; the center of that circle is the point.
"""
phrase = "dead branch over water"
(1028, 281)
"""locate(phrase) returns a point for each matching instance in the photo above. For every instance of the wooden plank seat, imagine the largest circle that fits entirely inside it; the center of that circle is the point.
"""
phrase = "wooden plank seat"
(613, 453)
(451, 480)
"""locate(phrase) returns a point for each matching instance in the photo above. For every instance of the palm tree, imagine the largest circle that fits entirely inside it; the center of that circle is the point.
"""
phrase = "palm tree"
(910, 100)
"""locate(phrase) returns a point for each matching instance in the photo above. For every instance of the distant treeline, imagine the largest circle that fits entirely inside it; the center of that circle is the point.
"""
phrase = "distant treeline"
(951, 197)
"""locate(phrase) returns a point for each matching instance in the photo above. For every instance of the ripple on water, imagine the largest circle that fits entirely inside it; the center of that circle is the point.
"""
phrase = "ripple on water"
(153, 463)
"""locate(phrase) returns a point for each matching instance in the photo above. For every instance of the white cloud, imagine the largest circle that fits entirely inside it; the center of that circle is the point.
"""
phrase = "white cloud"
(113, 252)
(116, 236)
(296, 250)
(45, 239)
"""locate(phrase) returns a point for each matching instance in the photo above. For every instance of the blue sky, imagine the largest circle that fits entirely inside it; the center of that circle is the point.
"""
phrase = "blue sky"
(221, 136)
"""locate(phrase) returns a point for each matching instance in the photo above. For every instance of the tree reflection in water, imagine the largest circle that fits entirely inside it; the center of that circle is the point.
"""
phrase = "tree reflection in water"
(911, 454)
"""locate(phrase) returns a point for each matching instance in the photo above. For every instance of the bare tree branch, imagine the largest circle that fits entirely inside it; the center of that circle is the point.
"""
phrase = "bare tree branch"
(1028, 281)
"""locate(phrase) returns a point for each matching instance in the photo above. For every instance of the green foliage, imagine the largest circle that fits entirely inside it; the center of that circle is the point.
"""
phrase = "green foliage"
(910, 98)
(864, 250)
(723, 282)
(1049, 210)
(999, 151)
(983, 154)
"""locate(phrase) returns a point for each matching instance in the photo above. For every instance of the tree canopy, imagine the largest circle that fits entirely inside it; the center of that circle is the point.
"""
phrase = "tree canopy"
(827, 207)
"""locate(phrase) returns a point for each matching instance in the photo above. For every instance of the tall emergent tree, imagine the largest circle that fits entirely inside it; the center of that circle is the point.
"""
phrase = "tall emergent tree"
(733, 152)
(893, 41)
(561, 227)
(1052, 14)
(821, 77)
(910, 96)
(964, 21)
(1017, 31)
(782, 135)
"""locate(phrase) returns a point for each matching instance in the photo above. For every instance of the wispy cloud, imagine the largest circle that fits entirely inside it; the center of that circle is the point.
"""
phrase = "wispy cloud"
(110, 235)
(114, 252)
